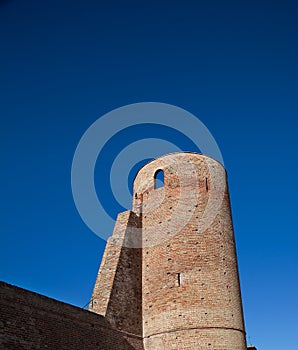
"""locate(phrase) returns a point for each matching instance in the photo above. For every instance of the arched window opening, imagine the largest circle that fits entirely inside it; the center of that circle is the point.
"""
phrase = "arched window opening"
(159, 178)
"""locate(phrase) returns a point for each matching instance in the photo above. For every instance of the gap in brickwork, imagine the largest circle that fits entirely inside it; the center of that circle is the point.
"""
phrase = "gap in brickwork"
(159, 179)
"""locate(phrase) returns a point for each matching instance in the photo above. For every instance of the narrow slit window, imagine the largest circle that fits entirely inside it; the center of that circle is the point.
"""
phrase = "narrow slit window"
(179, 279)
(206, 182)
(159, 179)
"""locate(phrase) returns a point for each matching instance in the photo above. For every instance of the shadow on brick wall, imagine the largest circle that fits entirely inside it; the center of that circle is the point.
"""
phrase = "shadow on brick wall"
(32, 321)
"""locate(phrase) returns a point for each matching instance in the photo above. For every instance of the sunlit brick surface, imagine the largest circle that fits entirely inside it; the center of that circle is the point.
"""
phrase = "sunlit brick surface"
(168, 278)
(180, 282)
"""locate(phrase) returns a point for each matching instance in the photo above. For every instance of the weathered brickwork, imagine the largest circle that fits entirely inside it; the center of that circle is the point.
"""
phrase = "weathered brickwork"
(29, 321)
(117, 293)
(168, 278)
(196, 339)
(189, 288)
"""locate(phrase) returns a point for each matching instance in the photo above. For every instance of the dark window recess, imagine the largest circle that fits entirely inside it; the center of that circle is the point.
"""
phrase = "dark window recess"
(206, 183)
(159, 179)
(179, 279)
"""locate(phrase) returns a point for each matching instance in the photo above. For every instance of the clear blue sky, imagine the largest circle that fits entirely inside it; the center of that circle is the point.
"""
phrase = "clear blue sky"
(231, 63)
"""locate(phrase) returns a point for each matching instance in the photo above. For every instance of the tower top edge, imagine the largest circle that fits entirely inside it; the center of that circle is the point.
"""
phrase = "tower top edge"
(177, 154)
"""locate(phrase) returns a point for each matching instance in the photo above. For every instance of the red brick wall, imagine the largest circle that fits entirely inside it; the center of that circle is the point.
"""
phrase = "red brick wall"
(168, 278)
(118, 289)
(187, 230)
(31, 321)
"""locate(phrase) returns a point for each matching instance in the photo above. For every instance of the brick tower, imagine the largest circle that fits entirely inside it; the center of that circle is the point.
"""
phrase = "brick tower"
(169, 275)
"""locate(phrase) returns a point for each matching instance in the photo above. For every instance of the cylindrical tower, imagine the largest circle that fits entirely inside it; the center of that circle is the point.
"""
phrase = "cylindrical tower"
(190, 285)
